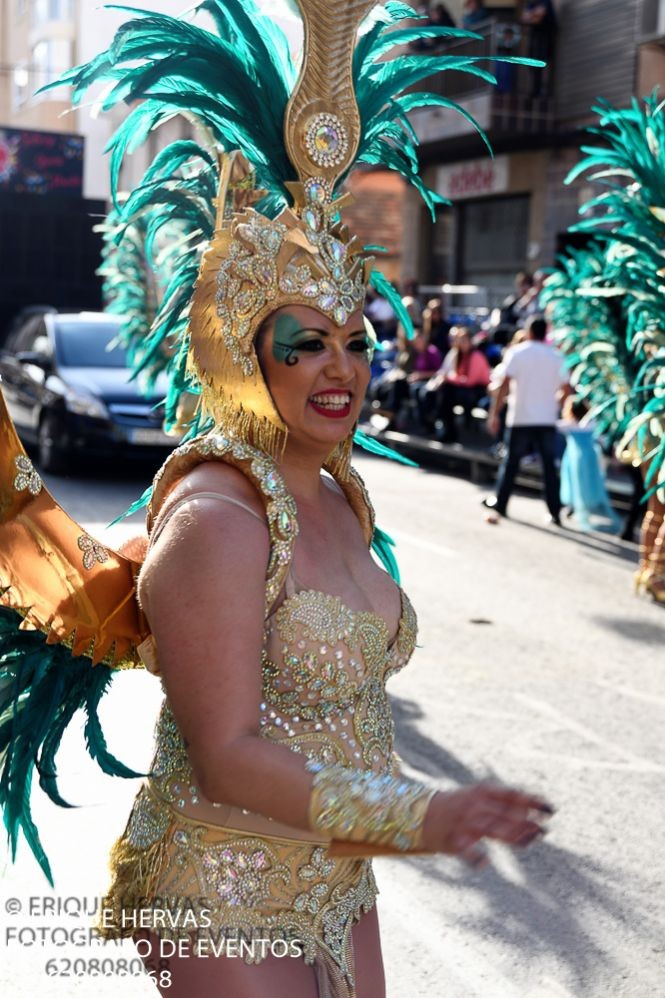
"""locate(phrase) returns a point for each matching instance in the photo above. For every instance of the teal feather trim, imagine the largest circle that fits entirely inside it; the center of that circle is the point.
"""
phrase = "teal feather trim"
(382, 545)
(373, 446)
(382, 285)
(138, 504)
(237, 80)
(41, 687)
(236, 84)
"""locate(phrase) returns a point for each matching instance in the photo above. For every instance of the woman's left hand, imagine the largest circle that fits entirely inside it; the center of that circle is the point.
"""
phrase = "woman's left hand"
(456, 822)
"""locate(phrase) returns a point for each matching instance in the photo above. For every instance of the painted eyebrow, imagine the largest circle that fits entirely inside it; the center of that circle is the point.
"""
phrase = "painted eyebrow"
(324, 332)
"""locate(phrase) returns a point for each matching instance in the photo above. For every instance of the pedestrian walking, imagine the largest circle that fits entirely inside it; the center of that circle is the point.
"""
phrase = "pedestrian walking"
(534, 383)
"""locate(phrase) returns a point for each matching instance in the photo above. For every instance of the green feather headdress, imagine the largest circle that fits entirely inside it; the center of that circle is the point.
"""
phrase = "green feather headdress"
(238, 84)
(608, 302)
(235, 84)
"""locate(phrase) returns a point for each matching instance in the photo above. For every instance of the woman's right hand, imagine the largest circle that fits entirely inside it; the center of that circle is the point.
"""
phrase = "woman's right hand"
(457, 821)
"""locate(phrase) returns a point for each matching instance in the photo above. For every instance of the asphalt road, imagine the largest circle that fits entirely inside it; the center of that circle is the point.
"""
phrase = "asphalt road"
(536, 667)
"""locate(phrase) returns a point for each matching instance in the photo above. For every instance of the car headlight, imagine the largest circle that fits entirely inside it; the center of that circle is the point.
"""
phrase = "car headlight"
(85, 404)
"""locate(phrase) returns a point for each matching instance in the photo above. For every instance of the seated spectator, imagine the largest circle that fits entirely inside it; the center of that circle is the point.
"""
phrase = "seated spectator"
(461, 380)
(435, 326)
(509, 306)
(415, 364)
(529, 304)
(475, 12)
(484, 341)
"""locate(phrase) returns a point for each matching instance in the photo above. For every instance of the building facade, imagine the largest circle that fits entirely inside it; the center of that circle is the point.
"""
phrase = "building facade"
(513, 213)
(41, 39)
(54, 176)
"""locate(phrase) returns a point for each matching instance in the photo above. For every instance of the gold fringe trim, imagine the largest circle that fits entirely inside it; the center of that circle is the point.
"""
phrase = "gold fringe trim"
(232, 417)
(135, 872)
(338, 461)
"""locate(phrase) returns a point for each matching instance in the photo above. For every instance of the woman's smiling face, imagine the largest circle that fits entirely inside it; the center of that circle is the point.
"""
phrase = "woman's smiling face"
(316, 372)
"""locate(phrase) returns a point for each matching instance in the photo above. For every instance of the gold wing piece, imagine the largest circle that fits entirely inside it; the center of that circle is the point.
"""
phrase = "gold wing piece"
(58, 578)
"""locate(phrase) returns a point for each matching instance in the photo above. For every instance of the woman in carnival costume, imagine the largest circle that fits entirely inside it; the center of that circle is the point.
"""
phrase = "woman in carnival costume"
(257, 603)
(607, 305)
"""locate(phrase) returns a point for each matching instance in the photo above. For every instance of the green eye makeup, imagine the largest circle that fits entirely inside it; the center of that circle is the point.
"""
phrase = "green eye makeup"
(290, 337)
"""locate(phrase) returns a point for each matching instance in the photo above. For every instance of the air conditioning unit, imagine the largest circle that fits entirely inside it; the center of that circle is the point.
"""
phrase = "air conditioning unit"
(653, 19)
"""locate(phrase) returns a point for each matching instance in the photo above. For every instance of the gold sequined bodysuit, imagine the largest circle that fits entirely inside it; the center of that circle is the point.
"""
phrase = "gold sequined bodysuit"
(324, 669)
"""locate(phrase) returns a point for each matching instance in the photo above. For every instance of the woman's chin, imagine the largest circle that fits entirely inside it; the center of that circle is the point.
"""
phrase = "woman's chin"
(324, 438)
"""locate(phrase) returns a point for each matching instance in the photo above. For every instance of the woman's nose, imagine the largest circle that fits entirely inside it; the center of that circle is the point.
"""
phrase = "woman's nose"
(340, 364)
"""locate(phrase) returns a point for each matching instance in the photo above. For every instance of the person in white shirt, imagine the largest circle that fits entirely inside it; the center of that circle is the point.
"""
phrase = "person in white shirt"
(535, 382)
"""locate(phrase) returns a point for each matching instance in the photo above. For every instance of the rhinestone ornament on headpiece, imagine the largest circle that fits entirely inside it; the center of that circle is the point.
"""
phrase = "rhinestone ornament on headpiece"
(270, 264)
(326, 140)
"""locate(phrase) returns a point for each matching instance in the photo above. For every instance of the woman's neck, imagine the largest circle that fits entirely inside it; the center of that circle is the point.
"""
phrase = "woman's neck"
(301, 471)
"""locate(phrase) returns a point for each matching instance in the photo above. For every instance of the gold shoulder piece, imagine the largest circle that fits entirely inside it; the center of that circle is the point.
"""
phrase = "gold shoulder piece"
(358, 499)
(281, 510)
(322, 122)
(54, 574)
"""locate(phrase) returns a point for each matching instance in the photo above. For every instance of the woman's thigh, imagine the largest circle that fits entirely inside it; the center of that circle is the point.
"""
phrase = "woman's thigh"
(230, 977)
(370, 979)
(209, 976)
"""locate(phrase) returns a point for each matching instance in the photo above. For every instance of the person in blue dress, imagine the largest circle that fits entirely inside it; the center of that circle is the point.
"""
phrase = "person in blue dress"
(582, 479)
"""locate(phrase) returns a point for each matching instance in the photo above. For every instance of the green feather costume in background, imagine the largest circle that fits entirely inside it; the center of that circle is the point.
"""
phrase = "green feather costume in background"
(234, 84)
(607, 304)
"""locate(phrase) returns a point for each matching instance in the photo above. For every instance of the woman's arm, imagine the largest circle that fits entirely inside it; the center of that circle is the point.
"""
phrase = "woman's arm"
(479, 370)
(203, 591)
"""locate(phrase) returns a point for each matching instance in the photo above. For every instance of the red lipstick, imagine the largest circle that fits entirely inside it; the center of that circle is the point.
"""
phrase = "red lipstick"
(331, 413)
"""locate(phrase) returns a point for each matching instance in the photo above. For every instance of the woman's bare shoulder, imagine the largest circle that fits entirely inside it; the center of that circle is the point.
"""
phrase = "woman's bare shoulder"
(204, 533)
(219, 478)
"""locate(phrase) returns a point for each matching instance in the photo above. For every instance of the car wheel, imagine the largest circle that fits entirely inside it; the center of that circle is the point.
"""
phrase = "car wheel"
(50, 452)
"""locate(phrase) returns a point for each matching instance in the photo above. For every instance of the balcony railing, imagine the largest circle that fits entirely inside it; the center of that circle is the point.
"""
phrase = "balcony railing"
(520, 103)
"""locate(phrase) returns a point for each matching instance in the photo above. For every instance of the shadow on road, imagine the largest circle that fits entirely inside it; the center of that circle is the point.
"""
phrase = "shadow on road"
(642, 631)
(551, 907)
(552, 911)
(420, 751)
(597, 543)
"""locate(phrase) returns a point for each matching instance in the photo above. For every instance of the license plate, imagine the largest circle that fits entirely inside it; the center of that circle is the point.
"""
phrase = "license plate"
(151, 437)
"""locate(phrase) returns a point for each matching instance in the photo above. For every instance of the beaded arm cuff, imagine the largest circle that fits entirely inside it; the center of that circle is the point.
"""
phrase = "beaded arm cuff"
(360, 806)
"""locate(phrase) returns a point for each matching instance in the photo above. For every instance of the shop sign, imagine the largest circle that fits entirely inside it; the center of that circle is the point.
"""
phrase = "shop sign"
(40, 163)
(474, 178)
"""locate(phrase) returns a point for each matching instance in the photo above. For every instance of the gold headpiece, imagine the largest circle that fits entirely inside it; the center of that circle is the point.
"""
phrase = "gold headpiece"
(256, 265)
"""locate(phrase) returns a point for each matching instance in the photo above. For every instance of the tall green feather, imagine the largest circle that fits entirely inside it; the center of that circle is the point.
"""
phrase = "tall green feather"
(608, 301)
